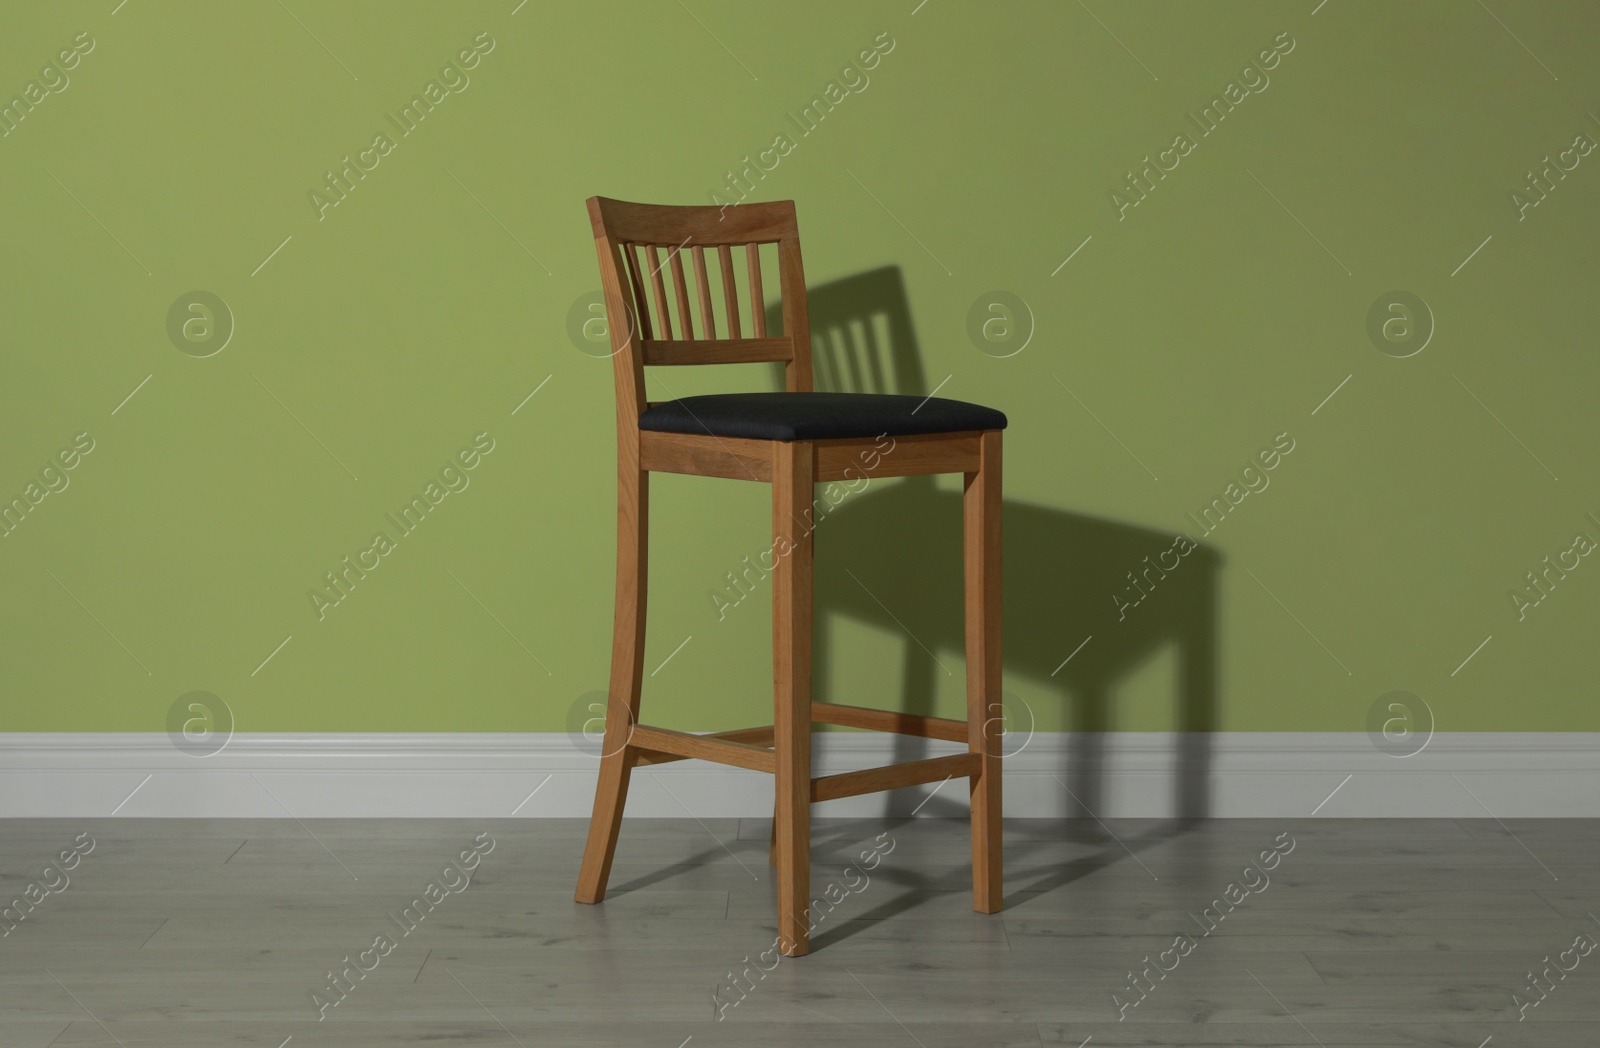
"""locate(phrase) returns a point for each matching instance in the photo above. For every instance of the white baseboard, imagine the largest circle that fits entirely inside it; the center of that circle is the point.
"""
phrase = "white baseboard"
(1115, 775)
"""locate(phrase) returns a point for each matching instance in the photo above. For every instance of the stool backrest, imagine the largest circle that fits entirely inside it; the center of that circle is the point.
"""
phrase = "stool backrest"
(636, 242)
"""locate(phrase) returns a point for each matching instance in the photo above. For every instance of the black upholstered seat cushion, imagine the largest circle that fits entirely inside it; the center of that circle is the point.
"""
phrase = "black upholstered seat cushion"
(816, 416)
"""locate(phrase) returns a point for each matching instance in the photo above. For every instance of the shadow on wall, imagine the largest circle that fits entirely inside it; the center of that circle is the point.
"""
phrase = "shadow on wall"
(890, 557)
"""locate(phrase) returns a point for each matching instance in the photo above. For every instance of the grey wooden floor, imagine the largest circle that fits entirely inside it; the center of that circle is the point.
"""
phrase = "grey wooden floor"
(1373, 933)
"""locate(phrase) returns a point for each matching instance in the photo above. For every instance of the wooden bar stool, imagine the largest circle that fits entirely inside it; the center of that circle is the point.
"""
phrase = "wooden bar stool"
(791, 440)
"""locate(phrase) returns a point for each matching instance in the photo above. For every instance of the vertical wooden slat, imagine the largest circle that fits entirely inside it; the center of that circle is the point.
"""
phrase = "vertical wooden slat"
(685, 320)
(708, 321)
(758, 301)
(641, 307)
(981, 558)
(793, 479)
(730, 293)
(654, 258)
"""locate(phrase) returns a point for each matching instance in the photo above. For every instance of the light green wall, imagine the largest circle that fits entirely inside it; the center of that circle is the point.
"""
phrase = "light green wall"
(1204, 322)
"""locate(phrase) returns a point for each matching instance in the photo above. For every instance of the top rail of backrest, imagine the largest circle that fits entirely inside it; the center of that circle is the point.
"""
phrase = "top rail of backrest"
(755, 223)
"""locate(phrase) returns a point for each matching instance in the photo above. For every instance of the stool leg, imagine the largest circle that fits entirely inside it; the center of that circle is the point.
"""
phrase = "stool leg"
(981, 558)
(793, 475)
(627, 673)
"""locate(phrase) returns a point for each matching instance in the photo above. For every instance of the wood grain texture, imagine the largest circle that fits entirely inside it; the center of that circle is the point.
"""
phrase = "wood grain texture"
(796, 322)
(730, 291)
(793, 467)
(687, 351)
(732, 458)
(852, 458)
(637, 304)
(754, 221)
(626, 361)
(889, 720)
(658, 288)
(708, 320)
(758, 737)
(758, 299)
(981, 508)
(701, 747)
(627, 671)
(895, 776)
(644, 337)
(681, 290)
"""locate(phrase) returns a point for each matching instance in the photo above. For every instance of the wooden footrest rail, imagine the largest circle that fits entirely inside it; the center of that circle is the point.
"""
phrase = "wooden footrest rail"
(895, 776)
(750, 748)
(889, 720)
(662, 745)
